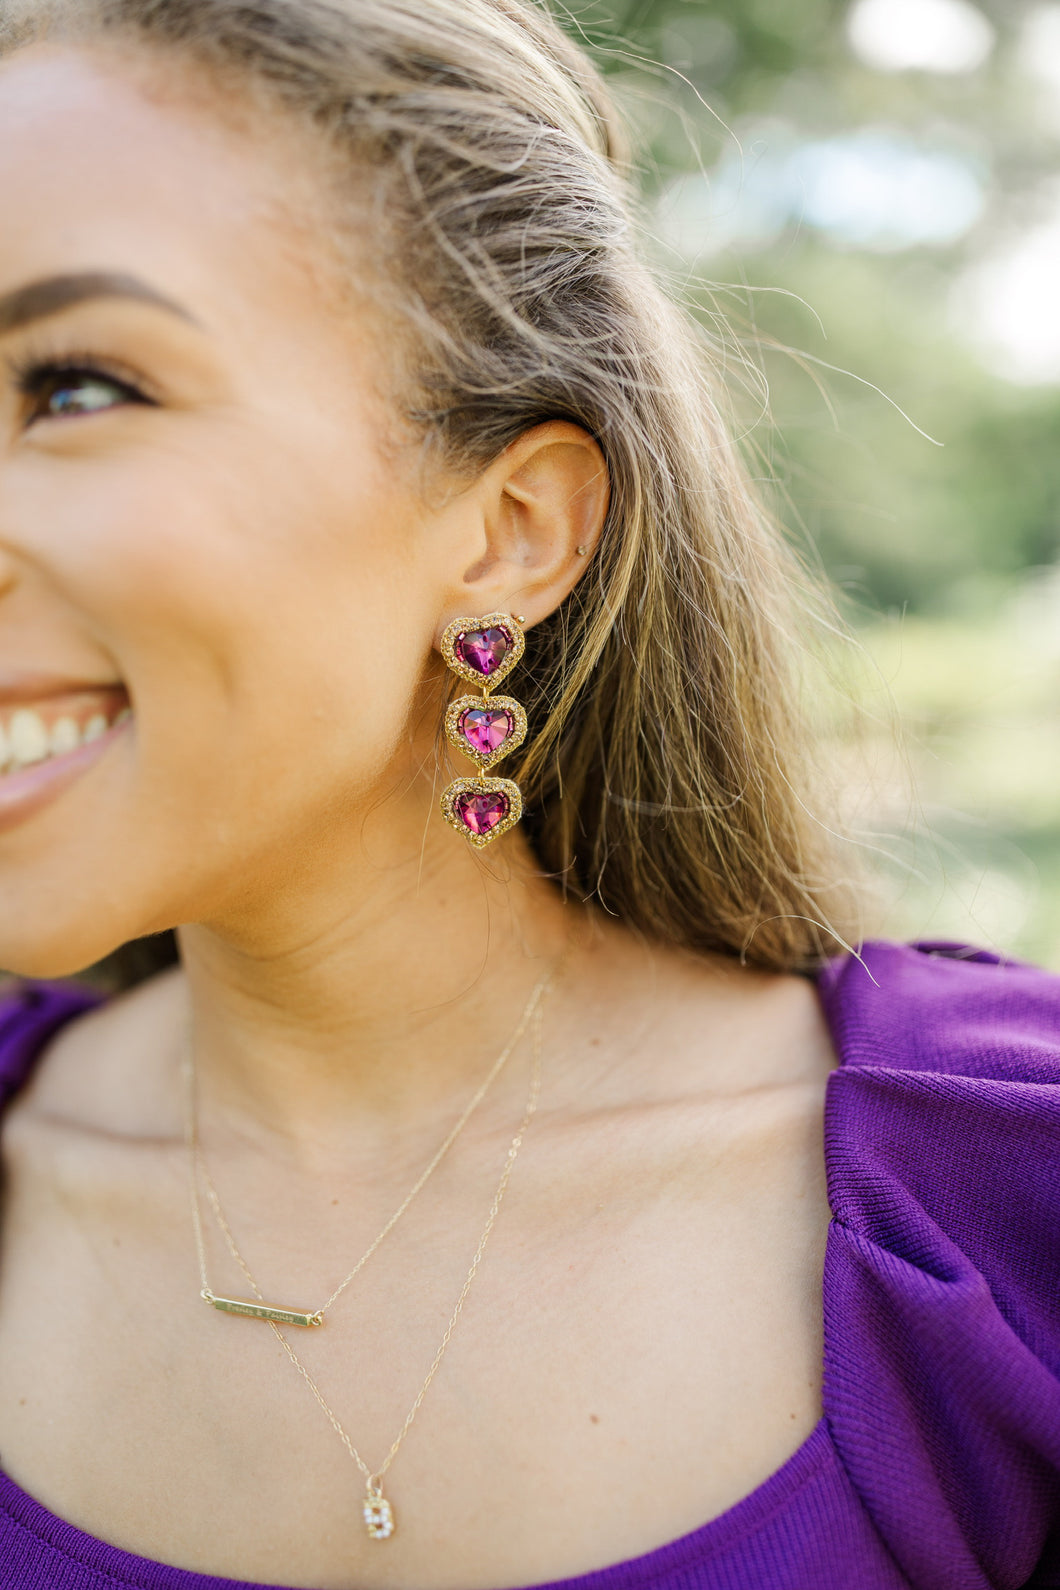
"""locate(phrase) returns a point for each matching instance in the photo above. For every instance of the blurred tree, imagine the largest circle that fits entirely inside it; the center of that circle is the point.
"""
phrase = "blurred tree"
(849, 202)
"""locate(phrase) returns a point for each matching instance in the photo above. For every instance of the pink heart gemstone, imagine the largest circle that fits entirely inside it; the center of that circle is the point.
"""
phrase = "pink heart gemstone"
(486, 728)
(482, 813)
(483, 649)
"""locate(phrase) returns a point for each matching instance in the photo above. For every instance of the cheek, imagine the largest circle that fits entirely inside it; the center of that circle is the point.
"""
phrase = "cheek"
(271, 620)
(258, 602)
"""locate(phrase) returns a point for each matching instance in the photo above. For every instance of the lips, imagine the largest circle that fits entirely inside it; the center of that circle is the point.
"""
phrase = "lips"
(51, 733)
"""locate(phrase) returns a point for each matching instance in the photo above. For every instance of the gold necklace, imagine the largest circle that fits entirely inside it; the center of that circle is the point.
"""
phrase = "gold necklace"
(259, 1309)
(377, 1510)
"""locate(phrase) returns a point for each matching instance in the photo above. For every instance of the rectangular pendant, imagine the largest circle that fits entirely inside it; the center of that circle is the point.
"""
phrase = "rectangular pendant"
(281, 1316)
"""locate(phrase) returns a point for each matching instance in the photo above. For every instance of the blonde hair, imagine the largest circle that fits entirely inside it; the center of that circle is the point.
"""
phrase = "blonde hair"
(669, 774)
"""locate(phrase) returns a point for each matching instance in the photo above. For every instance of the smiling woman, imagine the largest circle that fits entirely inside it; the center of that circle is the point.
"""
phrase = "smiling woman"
(481, 1198)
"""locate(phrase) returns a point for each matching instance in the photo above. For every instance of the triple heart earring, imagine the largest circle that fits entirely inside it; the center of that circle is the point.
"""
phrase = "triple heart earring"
(483, 651)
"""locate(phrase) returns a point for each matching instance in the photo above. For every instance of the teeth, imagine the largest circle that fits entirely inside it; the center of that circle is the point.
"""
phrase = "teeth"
(65, 736)
(28, 738)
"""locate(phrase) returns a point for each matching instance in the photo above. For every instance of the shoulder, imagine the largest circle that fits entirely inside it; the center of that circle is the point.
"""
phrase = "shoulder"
(942, 1290)
(945, 1106)
(944, 1008)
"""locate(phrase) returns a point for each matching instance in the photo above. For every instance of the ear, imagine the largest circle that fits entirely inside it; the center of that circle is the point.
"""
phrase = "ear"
(539, 509)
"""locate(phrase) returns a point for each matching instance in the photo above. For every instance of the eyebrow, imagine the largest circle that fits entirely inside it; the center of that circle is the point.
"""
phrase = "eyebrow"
(52, 294)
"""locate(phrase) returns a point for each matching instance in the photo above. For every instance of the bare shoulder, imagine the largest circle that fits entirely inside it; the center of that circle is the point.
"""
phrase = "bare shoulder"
(701, 1078)
(693, 1025)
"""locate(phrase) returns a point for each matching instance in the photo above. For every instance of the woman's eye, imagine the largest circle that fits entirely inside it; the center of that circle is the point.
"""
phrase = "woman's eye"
(68, 393)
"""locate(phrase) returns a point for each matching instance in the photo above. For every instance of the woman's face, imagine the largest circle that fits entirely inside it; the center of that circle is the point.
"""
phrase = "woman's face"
(205, 542)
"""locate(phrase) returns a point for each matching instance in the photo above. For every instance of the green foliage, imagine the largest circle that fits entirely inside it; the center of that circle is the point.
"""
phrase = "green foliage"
(729, 84)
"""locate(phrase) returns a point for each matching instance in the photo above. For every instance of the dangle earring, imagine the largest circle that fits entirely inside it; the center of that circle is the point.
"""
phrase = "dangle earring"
(483, 651)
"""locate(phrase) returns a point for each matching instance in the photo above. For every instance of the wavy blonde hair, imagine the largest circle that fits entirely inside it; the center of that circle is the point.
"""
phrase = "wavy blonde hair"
(670, 770)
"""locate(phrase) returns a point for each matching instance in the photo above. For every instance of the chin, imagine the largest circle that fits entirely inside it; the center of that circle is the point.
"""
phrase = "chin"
(57, 953)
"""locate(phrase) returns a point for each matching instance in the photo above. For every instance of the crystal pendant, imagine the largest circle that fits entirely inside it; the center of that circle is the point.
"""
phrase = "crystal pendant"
(481, 808)
(378, 1516)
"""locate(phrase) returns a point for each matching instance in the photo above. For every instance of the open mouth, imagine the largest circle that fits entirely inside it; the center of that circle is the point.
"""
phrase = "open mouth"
(41, 731)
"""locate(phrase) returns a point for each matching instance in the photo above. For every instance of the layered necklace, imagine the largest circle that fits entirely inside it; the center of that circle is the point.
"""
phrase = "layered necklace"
(378, 1511)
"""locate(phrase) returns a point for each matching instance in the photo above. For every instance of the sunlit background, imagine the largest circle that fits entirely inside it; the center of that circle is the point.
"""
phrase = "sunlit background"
(874, 186)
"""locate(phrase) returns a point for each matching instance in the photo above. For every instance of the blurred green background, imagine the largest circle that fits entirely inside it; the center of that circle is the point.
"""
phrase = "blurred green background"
(873, 189)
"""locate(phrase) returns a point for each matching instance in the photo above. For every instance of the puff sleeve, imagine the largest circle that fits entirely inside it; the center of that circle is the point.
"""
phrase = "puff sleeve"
(942, 1292)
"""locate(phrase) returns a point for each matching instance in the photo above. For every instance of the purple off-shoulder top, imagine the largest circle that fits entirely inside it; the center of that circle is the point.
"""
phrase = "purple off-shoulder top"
(937, 1462)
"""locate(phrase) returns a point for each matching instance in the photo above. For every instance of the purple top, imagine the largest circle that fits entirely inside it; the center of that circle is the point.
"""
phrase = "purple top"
(937, 1462)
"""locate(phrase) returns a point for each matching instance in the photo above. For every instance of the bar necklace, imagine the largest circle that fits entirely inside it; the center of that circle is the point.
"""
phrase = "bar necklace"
(377, 1510)
(258, 1308)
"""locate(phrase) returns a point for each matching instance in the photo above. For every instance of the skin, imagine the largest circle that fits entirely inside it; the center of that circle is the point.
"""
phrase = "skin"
(642, 1345)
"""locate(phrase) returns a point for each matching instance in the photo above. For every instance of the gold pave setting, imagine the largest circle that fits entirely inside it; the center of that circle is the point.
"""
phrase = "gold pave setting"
(473, 790)
(456, 653)
(459, 732)
(483, 651)
(378, 1515)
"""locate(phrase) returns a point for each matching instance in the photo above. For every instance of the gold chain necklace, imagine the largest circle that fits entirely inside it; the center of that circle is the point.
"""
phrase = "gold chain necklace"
(377, 1510)
(259, 1309)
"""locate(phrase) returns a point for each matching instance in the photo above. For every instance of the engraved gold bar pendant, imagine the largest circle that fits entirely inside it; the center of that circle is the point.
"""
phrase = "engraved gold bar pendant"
(281, 1316)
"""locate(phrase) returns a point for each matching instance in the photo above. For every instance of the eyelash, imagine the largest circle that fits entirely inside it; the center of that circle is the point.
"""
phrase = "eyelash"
(33, 373)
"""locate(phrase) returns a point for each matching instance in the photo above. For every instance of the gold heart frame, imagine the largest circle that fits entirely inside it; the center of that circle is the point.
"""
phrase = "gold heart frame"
(462, 704)
(481, 786)
(461, 626)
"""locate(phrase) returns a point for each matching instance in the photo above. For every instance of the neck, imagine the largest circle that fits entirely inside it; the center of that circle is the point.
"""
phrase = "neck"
(379, 998)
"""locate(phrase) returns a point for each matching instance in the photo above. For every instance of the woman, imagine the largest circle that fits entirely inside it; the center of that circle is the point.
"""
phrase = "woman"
(459, 1212)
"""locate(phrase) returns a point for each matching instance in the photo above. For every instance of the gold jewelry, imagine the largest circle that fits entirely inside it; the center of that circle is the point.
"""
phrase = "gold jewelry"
(483, 651)
(377, 1510)
(306, 1317)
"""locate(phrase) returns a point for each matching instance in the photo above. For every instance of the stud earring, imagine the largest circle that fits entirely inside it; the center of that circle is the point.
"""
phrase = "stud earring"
(483, 651)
